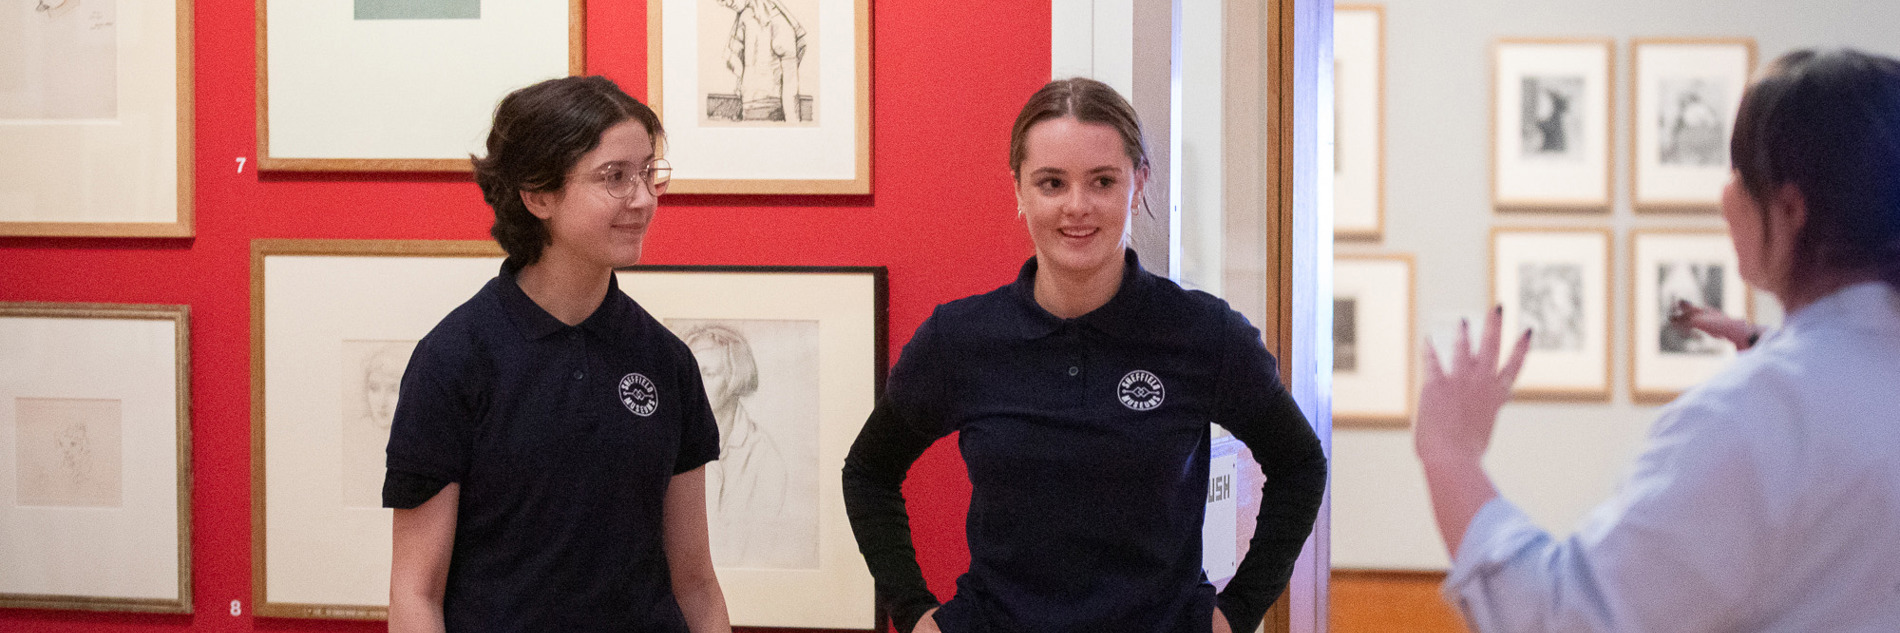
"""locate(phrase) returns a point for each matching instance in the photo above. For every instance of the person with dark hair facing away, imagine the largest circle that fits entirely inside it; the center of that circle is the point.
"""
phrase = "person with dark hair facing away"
(1766, 498)
(547, 458)
(1083, 394)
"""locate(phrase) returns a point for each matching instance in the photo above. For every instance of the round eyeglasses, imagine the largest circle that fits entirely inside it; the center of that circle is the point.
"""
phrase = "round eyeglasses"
(619, 180)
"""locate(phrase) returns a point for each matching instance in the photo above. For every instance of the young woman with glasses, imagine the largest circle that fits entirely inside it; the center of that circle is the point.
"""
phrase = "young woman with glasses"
(546, 461)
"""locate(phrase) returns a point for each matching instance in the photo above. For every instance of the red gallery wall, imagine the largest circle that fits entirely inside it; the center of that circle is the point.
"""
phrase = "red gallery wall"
(947, 78)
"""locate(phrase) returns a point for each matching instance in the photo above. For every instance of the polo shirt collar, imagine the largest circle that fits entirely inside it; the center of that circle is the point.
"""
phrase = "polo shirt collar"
(1120, 317)
(536, 323)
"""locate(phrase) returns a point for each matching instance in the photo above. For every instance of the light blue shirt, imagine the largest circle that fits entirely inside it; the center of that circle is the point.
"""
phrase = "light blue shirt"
(1767, 499)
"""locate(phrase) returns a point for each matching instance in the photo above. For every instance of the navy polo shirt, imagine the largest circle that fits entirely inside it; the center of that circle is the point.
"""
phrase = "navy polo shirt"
(563, 439)
(1086, 442)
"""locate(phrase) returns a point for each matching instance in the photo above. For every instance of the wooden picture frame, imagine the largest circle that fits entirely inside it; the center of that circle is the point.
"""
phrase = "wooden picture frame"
(1359, 121)
(320, 540)
(1375, 329)
(322, 550)
(736, 137)
(1699, 265)
(1550, 124)
(799, 567)
(365, 86)
(1557, 282)
(1684, 94)
(95, 453)
(102, 86)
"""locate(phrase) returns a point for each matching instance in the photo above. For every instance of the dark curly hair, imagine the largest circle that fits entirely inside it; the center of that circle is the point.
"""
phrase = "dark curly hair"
(1828, 122)
(539, 133)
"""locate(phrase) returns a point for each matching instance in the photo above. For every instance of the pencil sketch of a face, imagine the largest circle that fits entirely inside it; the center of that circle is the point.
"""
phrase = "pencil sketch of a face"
(1552, 120)
(59, 59)
(758, 62)
(1699, 283)
(1345, 334)
(1550, 302)
(1691, 129)
(371, 379)
(761, 380)
(68, 452)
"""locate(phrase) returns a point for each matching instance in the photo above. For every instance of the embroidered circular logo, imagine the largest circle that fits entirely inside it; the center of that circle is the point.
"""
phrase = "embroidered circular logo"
(639, 394)
(1140, 390)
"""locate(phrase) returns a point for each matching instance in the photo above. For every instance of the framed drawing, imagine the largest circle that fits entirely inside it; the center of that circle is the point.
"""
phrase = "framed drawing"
(1683, 97)
(96, 118)
(1667, 267)
(1373, 333)
(1556, 282)
(763, 96)
(394, 85)
(95, 457)
(1358, 121)
(1550, 132)
(793, 359)
(332, 326)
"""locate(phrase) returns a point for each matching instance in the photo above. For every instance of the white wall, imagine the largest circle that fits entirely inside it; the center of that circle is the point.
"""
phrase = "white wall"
(1556, 460)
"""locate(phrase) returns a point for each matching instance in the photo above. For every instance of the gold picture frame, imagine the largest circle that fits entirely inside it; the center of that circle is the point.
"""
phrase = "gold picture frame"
(743, 139)
(1680, 163)
(1551, 137)
(349, 97)
(1374, 376)
(72, 172)
(1558, 280)
(1695, 264)
(103, 391)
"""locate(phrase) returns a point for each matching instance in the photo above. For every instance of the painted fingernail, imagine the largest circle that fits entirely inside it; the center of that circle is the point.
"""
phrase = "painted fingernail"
(1498, 309)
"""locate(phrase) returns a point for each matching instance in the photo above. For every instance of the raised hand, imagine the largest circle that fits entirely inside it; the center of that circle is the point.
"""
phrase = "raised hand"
(1458, 406)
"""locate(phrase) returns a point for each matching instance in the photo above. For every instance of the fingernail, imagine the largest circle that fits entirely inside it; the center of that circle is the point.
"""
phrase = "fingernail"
(1464, 322)
(1499, 309)
(1527, 334)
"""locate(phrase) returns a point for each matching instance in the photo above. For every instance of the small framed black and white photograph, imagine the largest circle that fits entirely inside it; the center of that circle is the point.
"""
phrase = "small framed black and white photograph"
(1670, 267)
(1358, 121)
(95, 457)
(1373, 332)
(1556, 283)
(1684, 96)
(1551, 124)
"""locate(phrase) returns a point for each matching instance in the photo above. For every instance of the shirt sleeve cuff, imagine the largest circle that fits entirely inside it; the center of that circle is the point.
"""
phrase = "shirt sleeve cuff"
(1496, 534)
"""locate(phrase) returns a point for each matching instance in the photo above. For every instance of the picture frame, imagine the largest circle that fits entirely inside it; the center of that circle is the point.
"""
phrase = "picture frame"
(364, 85)
(800, 568)
(1359, 121)
(1550, 132)
(1668, 264)
(321, 543)
(322, 313)
(729, 131)
(95, 456)
(1375, 327)
(1556, 282)
(96, 133)
(1684, 93)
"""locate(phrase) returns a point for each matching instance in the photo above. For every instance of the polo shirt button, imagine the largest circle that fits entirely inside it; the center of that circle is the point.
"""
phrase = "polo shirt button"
(1073, 371)
(579, 374)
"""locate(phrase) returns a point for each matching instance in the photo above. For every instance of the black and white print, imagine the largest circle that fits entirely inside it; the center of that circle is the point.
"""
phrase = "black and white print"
(1691, 129)
(1699, 283)
(1552, 117)
(1345, 334)
(1550, 303)
(761, 378)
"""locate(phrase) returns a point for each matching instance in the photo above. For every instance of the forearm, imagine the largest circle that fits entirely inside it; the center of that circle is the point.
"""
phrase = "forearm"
(424, 538)
(1459, 488)
(411, 612)
(702, 602)
(874, 473)
(1289, 504)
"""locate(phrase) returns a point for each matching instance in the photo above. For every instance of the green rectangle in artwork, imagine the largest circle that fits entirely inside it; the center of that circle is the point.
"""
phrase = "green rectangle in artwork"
(418, 9)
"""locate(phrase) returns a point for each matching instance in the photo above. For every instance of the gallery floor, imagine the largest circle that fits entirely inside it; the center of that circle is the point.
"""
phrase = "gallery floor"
(1390, 602)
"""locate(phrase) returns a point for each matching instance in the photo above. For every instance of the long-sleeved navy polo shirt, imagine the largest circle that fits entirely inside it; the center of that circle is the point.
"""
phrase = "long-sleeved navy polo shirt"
(1086, 442)
(564, 440)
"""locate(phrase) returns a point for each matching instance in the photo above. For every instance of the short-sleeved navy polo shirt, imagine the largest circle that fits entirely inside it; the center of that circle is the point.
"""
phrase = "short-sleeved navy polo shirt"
(1086, 443)
(563, 440)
